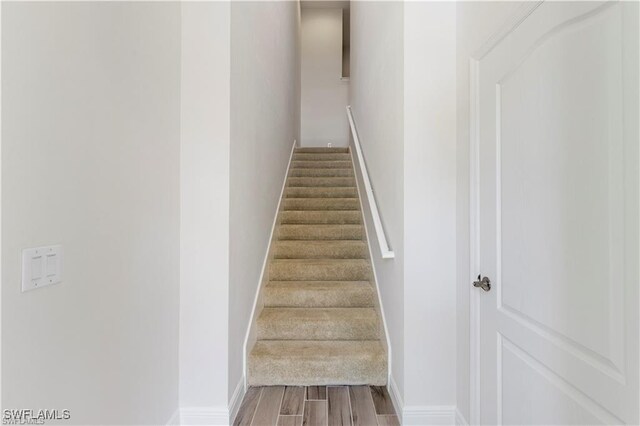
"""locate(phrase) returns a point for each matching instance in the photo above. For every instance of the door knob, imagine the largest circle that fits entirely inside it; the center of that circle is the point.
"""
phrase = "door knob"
(483, 282)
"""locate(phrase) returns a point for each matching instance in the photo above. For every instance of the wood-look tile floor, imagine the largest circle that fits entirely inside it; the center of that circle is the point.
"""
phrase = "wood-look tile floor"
(316, 406)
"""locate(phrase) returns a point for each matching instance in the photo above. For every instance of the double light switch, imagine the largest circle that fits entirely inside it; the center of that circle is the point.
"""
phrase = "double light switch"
(41, 266)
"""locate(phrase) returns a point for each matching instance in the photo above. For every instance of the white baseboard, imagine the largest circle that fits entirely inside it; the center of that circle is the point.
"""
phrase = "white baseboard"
(202, 416)
(423, 415)
(236, 399)
(210, 415)
(175, 419)
(429, 415)
(394, 393)
(460, 419)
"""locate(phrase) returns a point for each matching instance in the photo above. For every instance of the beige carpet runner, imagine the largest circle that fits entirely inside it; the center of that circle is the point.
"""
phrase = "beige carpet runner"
(318, 325)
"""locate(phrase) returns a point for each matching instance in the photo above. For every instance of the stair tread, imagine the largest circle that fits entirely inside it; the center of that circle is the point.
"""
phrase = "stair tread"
(318, 314)
(356, 243)
(323, 169)
(318, 172)
(295, 323)
(319, 269)
(318, 284)
(321, 261)
(310, 217)
(319, 294)
(330, 198)
(320, 181)
(320, 231)
(321, 150)
(325, 225)
(322, 225)
(321, 164)
(329, 203)
(322, 156)
(307, 265)
(310, 245)
(313, 363)
(301, 316)
(316, 349)
(322, 187)
(321, 192)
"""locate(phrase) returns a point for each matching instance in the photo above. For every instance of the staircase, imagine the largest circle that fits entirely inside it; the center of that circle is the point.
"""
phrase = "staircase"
(319, 324)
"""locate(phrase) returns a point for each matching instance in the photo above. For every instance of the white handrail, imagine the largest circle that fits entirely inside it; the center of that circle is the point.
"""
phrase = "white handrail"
(375, 214)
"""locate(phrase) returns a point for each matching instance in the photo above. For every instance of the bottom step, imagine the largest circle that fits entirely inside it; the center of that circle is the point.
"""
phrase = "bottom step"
(315, 363)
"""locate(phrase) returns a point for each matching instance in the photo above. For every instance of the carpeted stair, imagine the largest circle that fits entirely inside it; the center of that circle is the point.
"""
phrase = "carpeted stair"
(319, 325)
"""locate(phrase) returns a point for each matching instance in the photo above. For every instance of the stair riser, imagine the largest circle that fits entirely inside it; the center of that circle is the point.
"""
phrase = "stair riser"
(313, 296)
(340, 192)
(321, 172)
(320, 182)
(365, 370)
(321, 232)
(321, 164)
(326, 328)
(337, 250)
(323, 272)
(321, 217)
(316, 150)
(321, 156)
(321, 204)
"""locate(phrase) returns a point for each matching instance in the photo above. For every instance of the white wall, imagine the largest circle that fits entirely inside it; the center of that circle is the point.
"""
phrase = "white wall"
(265, 105)
(166, 154)
(403, 95)
(90, 144)
(377, 105)
(240, 116)
(475, 23)
(429, 203)
(324, 94)
(204, 175)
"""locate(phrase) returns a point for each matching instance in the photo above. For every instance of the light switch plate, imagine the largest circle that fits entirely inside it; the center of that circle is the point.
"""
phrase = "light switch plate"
(41, 266)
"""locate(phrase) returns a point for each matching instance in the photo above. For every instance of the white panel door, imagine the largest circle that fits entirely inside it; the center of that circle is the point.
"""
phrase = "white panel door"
(557, 159)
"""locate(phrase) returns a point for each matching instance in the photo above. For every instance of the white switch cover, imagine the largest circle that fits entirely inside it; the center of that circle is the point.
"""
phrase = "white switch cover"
(41, 266)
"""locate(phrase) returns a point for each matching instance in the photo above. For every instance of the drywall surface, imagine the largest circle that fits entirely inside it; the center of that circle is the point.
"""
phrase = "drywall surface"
(475, 23)
(265, 103)
(429, 203)
(90, 160)
(324, 95)
(204, 221)
(377, 105)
